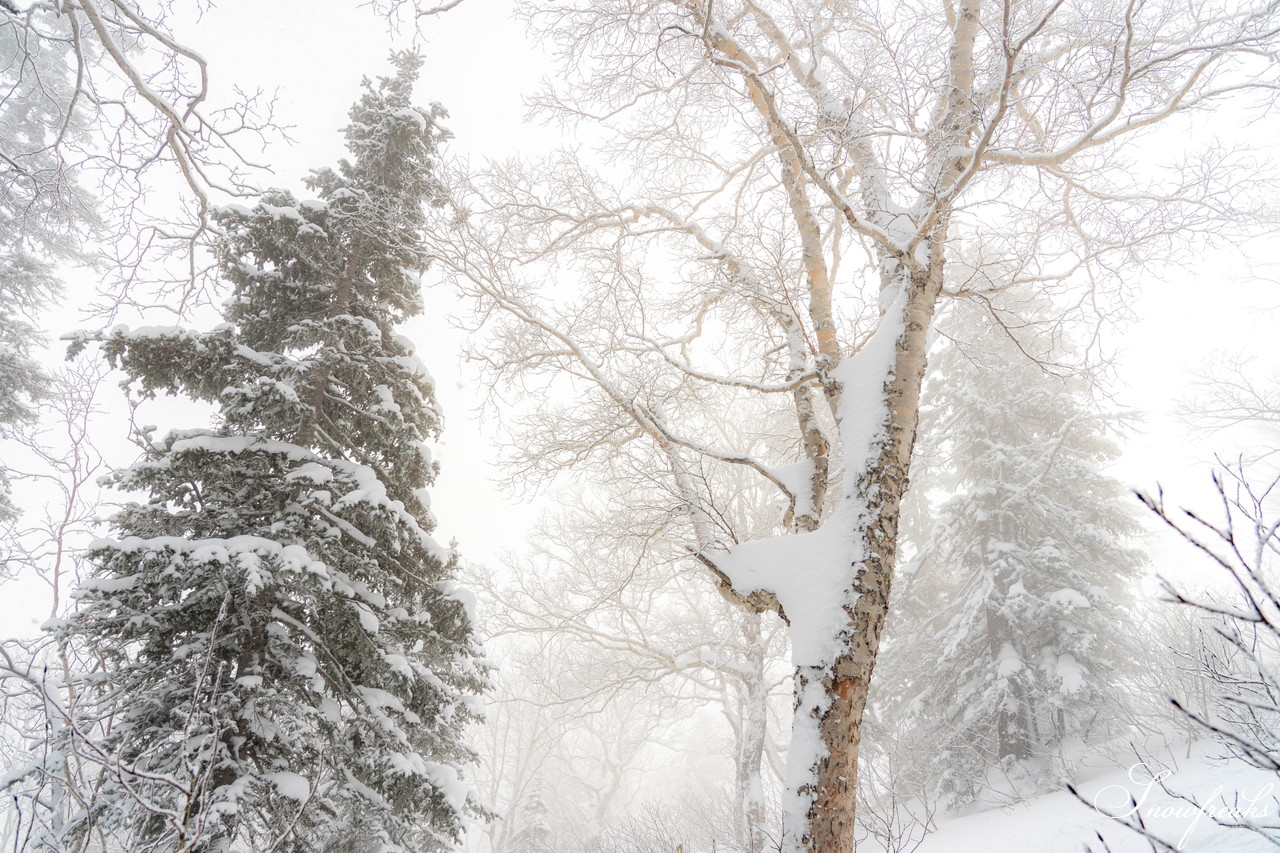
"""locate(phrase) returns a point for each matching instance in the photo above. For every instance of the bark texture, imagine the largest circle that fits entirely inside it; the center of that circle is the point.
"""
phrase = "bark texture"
(846, 682)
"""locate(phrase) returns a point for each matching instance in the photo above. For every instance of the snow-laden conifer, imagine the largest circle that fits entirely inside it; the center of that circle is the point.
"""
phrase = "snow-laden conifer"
(1011, 636)
(289, 664)
(532, 832)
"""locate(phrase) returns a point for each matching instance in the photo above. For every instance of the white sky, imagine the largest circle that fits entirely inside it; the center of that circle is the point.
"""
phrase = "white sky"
(480, 66)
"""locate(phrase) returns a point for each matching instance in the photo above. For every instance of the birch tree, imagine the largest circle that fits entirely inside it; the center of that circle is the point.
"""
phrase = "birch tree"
(619, 621)
(768, 230)
(115, 104)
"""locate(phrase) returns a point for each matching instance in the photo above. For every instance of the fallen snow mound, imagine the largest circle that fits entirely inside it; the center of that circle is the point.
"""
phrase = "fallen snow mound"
(1059, 823)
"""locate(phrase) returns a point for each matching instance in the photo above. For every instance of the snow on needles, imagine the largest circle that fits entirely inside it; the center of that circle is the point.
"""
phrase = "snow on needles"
(290, 785)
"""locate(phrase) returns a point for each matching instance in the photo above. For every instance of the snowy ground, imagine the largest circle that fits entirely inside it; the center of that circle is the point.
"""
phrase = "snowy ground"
(1058, 823)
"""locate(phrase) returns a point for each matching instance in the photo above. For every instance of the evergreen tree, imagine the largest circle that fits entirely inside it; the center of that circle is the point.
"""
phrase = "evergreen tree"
(287, 655)
(533, 828)
(1012, 629)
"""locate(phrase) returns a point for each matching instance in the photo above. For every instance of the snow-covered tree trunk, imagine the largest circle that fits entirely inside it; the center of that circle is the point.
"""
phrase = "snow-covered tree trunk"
(753, 149)
(750, 815)
(833, 584)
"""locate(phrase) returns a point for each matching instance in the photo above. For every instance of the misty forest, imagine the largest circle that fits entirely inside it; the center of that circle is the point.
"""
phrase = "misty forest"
(639, 426)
